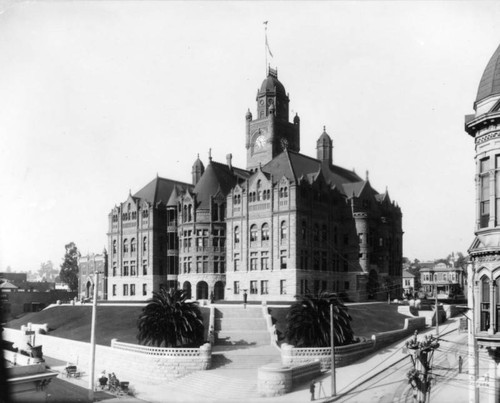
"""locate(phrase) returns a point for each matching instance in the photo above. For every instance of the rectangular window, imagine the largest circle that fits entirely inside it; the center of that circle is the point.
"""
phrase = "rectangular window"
(253, 261)
(485, 192)
(205, 264)
(283, 259)
(144, 289)
(236, 287)
(264, 261)
(145, 267)
(323, 285)
(125, 289)
(283, 287)
(346, 285)
(253, 287)
(315, 260)
(132, 268)
(236, 261)
(264, 287)
(125, 268)
(114, 268)
(114, 290)
(132, 289)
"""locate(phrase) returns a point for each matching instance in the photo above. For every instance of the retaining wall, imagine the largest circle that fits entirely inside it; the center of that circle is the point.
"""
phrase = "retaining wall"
(130, 362)
(345, 355)
(276, 379)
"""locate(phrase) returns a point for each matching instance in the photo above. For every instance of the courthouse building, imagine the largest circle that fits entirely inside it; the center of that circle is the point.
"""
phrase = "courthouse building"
(286, 224)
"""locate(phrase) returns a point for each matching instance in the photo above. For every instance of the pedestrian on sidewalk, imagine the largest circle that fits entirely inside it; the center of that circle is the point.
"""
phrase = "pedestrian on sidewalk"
(311, 389)
(245, 296)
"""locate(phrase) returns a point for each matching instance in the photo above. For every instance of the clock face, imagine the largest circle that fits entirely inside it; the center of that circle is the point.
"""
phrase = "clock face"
(261, 102)
(270, 101)
(260, 141)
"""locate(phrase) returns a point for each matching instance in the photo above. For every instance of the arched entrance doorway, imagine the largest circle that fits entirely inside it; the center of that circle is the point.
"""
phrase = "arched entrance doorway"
(219, 290)
(202, 290)
(187, 288)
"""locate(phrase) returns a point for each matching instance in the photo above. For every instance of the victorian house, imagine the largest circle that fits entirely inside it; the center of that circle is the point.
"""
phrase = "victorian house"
(484, 273)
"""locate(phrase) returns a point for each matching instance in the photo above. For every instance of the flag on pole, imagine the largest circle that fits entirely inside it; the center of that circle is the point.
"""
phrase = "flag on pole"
(267, 43)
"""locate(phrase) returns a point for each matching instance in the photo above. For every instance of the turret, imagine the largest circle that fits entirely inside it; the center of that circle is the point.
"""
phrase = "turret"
(324, 148)
(198, 170)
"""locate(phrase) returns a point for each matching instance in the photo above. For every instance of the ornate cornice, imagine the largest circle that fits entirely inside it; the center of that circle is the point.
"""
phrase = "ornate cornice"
(487, 137)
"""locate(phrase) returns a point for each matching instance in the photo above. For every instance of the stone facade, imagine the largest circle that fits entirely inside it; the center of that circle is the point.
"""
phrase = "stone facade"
(286, 225)
(87, 267)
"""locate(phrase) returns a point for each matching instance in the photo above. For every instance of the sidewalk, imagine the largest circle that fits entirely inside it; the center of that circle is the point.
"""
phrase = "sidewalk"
(347, 379)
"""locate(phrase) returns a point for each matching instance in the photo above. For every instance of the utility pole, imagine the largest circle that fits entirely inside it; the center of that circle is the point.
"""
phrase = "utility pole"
(418, 377)
(332, 343)
(92, 339)
(437, 317)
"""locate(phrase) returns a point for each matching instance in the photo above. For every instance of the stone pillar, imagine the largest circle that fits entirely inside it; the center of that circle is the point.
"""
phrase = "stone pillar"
(491, 330)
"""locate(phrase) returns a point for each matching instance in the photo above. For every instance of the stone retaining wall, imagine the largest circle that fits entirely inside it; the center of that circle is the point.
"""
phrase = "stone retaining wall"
(276, 379)
(345, 355)
(130, 362)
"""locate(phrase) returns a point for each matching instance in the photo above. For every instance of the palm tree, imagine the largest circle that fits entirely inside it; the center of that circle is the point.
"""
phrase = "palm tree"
(308, 321)
(169, 321)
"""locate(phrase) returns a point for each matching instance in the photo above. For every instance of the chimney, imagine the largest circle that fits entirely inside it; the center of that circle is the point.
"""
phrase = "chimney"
(229, 158)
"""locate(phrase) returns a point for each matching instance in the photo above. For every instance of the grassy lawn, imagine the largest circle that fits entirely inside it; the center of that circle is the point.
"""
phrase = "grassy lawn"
(73, 322)
(367, 319)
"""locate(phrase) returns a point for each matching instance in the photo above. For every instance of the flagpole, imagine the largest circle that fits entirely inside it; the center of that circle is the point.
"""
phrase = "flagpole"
(265, 44)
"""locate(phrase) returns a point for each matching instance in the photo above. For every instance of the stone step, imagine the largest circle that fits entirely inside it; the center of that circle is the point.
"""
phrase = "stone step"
(254, 337)
(239, 312)
(233, 361)
(241, 324)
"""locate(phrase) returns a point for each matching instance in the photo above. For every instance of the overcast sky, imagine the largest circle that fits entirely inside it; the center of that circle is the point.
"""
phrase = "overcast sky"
(96, 98)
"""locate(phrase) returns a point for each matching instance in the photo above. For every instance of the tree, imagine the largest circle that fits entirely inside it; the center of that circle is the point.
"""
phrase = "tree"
(69, 266)
(308, 321)
(168, 320)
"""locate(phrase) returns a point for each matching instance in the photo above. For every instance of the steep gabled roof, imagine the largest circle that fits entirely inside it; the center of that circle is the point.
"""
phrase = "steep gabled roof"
(217, 178)
(160, 189)
(291, 165)
(355, 188)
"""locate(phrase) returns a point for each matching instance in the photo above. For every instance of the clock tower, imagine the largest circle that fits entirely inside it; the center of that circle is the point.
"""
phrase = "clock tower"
(270, 132)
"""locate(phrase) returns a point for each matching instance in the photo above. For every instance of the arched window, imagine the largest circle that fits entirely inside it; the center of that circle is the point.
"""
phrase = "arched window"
(236, 235)
(283, 230)
(190, 213)
(114, 246)
(125, 246)
(145, 244)
(265, 232)
(259, 190)
(132, 245)
(485, 303)
(184, 216)
(253, 233)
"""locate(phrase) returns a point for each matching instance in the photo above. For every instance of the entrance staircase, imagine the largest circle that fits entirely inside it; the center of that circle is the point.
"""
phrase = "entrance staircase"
(243, 344)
